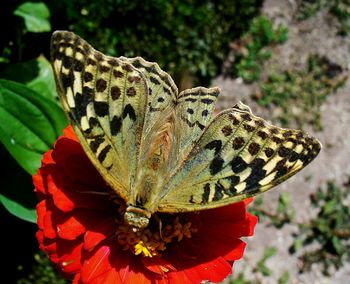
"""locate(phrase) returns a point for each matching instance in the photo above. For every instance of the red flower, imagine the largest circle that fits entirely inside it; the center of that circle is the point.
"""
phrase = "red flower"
(82, 230)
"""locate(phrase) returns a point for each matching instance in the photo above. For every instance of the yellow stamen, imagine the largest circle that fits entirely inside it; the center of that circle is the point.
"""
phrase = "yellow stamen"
(142, 248)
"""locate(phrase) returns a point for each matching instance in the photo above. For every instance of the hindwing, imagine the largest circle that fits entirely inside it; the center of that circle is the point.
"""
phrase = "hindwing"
(238, 156)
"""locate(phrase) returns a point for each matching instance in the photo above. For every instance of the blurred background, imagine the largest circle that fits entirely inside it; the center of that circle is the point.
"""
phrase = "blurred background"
(287, 59)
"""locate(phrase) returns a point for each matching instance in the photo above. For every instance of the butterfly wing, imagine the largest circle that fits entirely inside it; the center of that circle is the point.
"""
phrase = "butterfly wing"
(106, 101)
(238, 155)
(194, 111)
(162, 91)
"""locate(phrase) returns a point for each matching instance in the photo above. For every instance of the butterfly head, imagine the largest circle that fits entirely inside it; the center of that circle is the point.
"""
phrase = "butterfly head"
(137, 217)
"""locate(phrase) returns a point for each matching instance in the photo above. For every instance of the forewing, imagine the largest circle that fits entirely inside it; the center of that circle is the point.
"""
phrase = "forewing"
(239, 155)
(105, 99)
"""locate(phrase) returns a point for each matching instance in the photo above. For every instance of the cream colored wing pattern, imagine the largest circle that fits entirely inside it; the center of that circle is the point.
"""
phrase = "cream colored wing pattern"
(106, 100)
(238, 156)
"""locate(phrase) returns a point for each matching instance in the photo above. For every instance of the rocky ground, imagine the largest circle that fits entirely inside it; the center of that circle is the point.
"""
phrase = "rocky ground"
(316, 35)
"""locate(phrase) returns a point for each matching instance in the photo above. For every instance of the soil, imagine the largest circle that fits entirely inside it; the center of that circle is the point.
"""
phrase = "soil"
(316, 35)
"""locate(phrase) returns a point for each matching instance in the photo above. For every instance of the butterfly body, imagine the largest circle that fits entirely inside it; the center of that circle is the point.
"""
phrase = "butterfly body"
(164, 151)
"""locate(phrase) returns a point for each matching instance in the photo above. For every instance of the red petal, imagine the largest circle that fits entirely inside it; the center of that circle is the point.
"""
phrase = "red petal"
(70, 256)
(229, 229)
(70, 157)
(110, 277)
(179, 277)
(248, 200)
(77, 279)
(237, 253)
(221, 246)
(47, 158)
(232, 213)
(49, 226)
(97, 264)
(41, 211)
(157, 265)
(214, 271)
(69, 133)
(47, 245)
(131, 270)
(98, 233)
(68, 194)
(72, 225)
(39, 184)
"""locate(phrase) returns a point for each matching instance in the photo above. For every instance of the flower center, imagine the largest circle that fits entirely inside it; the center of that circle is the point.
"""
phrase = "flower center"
(154, 239)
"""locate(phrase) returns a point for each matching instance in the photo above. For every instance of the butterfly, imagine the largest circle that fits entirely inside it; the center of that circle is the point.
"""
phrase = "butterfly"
(162, 150)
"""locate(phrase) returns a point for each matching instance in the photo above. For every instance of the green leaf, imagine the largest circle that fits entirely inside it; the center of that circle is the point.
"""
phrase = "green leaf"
(36, 74)
(329, 206)
(30, 123)
(36, 16)
(269, 252)
(284, 278)
(339, 248)
(17, 209)
(17, 194)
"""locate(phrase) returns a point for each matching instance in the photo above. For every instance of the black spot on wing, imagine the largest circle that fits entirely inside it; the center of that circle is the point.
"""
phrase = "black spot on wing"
(253, 148)
(284, 152)
(154, 80)
(115, 92)
(206, 193)
(118, 74)
(94, 144)
(238, 165)
(102, 155)
(238, 143)
(207, 101)
(234, 180)
(227, 130)
(190, 111)
(262, 134)
(88, 77)
(293, 157)
(101, 85)
(78, 66)
(101, 108)
(192, 124)
(67, 62)
(129, 111)
(116, 124)
(113, 62)
(218, 192)
(131, 92)
(233, 119)
(67, 80)
(248, 127)
(269, 152)
(137, 64)
(192, 100)
(215, 144)
(216, 165)
(82, 101)
(93, 122)
(256, 175)
(167, 91)
(103, 68)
